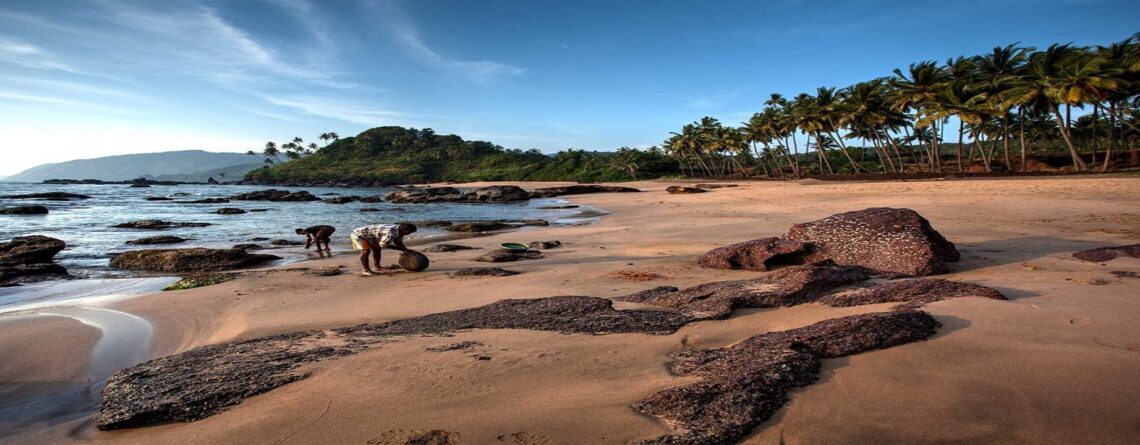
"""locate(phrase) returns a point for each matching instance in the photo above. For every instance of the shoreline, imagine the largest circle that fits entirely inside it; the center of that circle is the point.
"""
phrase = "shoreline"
(986, 349)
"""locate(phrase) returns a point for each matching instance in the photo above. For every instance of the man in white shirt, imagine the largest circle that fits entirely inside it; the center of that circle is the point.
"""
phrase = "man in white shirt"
(370, 239)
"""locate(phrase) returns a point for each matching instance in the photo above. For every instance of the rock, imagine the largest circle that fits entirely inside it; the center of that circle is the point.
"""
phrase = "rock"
(138, 185)
(914, 292)
(421, 195)
(784, 287)
(431, 223)
(1102, 254)
(447, 248)
(276, 195)
(212, 181)
(534, 222)
(247, 246)
(758, 255)
(204, 381)
(30, 249)
(24, 210)
(370, 209)
(207, 201)
(371, 199)
(330, 271)
(504, 256)
(259, 238)
(484, 272)
(188, 260)
(166, 239)
(342, 199)
(200, 280)
(285, 242)
(715, 186)
(258, 210)
(544, 245)
(496, 193)
(571, 206)
(478, 226)
(157, 224)
(49, 196)
(15, 274)
(898, 241)
(158, 198)
(679, 190)
(745, 384)
(580, 189)
(229, 211)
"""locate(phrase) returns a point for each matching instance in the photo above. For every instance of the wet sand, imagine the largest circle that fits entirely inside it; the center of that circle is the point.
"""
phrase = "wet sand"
(1056, 364)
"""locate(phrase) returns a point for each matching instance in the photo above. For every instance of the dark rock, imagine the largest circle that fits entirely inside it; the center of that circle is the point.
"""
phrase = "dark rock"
(745, 384)
(207, 201)
(1102, 254)
(534, 222)
(30, 249)
(679, 190)
(342, 199)
(504, 256)
(715, 186)
(158, 240)
(258, 210)
(276, 195)
(200, 280)
(247, 246)
(158, 198)
(285, 242)
(580, 189)
(469, 344)
(49, 196)
(1125, 274)
(370, 209)
(157, 224)
(447, 248)
(477, 226)
(897, 241)
(212, 181)
(188, 260)
(914, 292)
(139, 185)
(484, 272)
(229, 211)
(757, 255)
(496, 193)
(544, 245)
(571, 206)
(371, 199)
(204, 381)
(421, 195)
(259, 238)
(431, 223)
(24, 210)
(15, 274)
(784, 287)
(331, 271)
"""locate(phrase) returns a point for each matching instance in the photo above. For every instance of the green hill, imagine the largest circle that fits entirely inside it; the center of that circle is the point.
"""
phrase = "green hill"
(185, 165)
(407, 155)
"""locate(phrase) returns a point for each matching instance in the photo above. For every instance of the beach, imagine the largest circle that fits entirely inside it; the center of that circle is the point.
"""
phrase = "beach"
(1056, 364)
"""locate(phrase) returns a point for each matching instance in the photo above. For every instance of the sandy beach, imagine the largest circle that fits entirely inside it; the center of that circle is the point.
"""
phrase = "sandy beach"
(1056, 364)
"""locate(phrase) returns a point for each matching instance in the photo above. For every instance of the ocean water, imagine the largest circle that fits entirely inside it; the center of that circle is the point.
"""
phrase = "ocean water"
(91, 241)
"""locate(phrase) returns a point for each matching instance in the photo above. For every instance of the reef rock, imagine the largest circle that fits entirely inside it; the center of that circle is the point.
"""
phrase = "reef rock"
(188, 260)
(758, 255)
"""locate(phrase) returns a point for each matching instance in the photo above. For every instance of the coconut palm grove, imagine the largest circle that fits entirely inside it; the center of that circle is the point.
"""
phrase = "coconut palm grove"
(1016, 109)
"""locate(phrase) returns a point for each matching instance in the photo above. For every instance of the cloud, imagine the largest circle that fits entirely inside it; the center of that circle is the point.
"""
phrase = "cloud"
(404, 30)
(344, 110)
(27, 55)
(72, 87)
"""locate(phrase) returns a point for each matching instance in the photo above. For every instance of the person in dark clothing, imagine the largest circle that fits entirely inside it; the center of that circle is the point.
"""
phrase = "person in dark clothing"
(318, 235)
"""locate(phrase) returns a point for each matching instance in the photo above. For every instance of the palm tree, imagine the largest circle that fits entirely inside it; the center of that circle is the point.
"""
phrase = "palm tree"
(1071, 77)
(916, 89)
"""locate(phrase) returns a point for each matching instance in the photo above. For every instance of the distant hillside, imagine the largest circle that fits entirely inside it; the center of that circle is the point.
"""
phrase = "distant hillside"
(187, 165)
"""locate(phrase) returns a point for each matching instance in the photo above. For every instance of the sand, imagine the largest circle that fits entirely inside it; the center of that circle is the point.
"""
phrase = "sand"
(1055, 364)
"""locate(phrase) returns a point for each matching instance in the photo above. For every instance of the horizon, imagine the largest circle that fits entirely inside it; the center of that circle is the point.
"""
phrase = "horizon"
(84, 80)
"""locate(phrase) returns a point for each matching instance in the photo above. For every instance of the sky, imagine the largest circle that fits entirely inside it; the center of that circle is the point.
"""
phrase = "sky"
(90, 78)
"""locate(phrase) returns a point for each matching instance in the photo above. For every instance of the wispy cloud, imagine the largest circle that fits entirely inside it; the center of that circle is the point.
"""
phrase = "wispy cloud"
(28, 55)
(18, 97)
(714, 101)
(72, 87)
(339, 109)
(405, 32)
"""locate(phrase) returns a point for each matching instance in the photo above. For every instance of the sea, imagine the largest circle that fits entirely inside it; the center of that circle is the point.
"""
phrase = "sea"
(86, 226)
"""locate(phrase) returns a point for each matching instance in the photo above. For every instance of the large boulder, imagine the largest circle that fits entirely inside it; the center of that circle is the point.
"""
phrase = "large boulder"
(496, 193)
(275, 195)
(30, 249)
(24, 210)
(897, 241)
(188, 260)
(758, 254)
(580, 189)
(419, 195)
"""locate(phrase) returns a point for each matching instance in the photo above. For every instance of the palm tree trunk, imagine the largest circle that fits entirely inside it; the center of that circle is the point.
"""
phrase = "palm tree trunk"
(958, 151)
(1005, 140)
(1078, 163)
(1111, 136)
(898, 155)
(1021, 139)
(855, 168)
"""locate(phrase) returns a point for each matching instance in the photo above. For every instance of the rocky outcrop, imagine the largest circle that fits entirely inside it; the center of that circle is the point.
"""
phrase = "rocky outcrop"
(24, 210)
(201, 382)
(188, 260)
(229, 211)
(494, 193)
(341, 199)
(784, 287)
(285, 242)
(447, 248)
(158, 240)
(477, 226)
(206, 201)
(580, 189)
(745, 384)
(158, 198)
(679, 190)
(914, 292)
(506, 256)
(895, 241)
(758, 255)
(560, 207)
(29, 258)
(544, 245)
(157, 224)
(49, 196)
(484, 272)
(275, 195)
(1102, 254)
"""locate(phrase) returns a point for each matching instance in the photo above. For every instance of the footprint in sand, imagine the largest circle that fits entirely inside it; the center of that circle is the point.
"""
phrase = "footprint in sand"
(416, 437)
(525, 438)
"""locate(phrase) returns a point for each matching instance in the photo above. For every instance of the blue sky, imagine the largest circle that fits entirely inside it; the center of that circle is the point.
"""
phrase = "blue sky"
(99, 77)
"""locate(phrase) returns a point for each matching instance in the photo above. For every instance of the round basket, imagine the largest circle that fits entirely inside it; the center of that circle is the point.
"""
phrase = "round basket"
(414, 261)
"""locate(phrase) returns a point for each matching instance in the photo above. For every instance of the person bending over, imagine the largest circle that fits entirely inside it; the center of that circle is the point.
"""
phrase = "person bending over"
(370, 239)
(318, 235)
